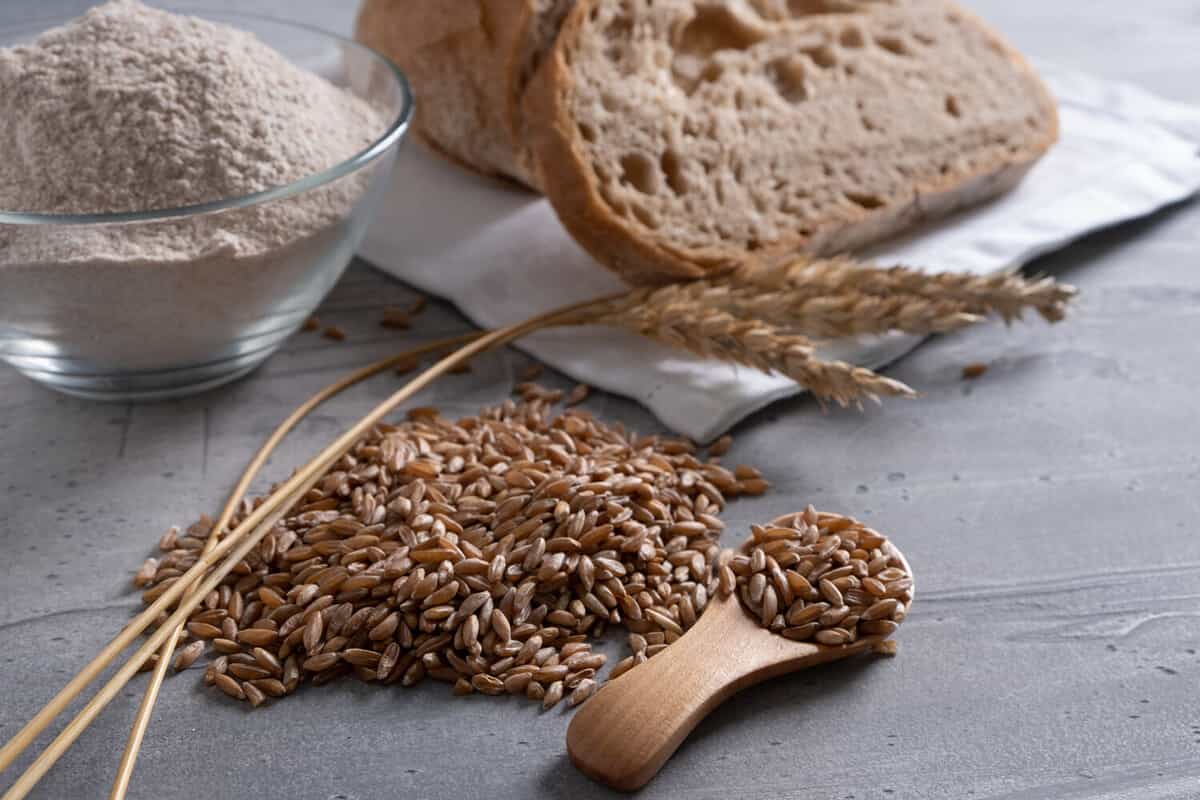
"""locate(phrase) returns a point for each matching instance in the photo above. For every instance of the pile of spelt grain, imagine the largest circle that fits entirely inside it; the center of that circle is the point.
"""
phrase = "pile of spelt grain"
(819, 576)
(483, 552)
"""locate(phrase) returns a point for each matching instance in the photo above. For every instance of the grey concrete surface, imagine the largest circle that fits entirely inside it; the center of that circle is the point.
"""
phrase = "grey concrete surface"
(1049, 509)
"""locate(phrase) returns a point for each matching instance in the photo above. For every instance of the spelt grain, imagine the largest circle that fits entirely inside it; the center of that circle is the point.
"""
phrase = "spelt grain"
(585, 689)
(187, 655)
(861, 586)
(229, 686)
(554, 693)
(485, 552)
(253, 694)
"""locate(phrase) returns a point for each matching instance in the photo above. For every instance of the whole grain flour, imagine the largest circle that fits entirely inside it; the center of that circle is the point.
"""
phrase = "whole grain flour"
(129, 108)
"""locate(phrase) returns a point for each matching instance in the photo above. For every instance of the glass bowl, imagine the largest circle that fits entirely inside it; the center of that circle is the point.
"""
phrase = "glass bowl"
(141, 328)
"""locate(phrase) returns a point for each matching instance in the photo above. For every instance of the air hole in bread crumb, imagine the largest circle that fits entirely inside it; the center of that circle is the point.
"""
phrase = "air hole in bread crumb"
(852, 37)
(638, 172)
(608, 101)
(617, 34)
(893, 44)
(643, 216)
(787, 75)
(587, 132)
(867, 201)
(823, 56)
(924, 38)
(716, 28)
(952, 106)
(689, 72)
(617, 205)
(671, 168)
(803, 8)
(866, 122)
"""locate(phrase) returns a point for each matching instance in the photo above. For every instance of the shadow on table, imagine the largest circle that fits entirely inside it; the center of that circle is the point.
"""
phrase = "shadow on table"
(785, 696)
(1077, 255)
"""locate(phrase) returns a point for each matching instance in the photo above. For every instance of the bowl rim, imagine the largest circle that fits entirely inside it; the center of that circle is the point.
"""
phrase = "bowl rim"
(392, 134)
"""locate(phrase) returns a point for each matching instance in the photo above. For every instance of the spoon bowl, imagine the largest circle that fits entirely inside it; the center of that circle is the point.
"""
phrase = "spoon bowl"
(624, 734)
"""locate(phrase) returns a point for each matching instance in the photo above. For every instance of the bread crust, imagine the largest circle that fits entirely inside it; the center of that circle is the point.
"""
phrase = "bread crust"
(569, 182)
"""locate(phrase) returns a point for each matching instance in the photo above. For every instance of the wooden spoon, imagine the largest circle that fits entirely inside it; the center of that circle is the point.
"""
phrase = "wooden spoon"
(624, 734)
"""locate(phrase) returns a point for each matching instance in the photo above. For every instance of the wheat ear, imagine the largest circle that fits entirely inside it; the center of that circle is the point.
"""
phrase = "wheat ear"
(715, 333)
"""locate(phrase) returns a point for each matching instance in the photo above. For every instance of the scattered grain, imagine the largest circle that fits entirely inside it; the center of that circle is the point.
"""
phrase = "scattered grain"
(407, 365)
(229, 686)
(485, 552)
(577, 395)
(396, 318)
(974, 370)
(187, 655)
(886, 648)
(720, 447)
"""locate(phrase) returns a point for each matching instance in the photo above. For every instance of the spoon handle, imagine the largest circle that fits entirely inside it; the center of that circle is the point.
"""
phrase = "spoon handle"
(625, 733)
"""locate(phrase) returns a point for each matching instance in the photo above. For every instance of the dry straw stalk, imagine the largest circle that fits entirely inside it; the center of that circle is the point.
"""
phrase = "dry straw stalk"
(769, 322)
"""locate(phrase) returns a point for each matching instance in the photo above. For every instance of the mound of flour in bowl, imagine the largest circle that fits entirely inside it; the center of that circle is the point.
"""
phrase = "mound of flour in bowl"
(129, 108)
(132, 109)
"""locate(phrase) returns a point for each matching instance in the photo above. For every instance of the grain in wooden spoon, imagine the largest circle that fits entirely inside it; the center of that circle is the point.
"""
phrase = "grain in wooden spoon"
(625, 733)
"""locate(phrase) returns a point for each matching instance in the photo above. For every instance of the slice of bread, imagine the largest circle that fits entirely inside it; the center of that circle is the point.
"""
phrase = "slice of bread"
(679, 138)
(469, 65)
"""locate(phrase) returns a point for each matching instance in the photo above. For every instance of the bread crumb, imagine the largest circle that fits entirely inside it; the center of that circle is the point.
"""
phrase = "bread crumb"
(887, 648)
(335, 333)
(975, 370)
(311, 324)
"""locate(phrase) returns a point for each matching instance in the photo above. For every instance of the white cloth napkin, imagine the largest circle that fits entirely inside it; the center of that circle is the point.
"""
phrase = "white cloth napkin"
(500, 255)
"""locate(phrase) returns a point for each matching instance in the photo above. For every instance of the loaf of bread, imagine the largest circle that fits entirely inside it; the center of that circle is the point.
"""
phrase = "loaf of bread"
(469, 64)
(678, 138)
